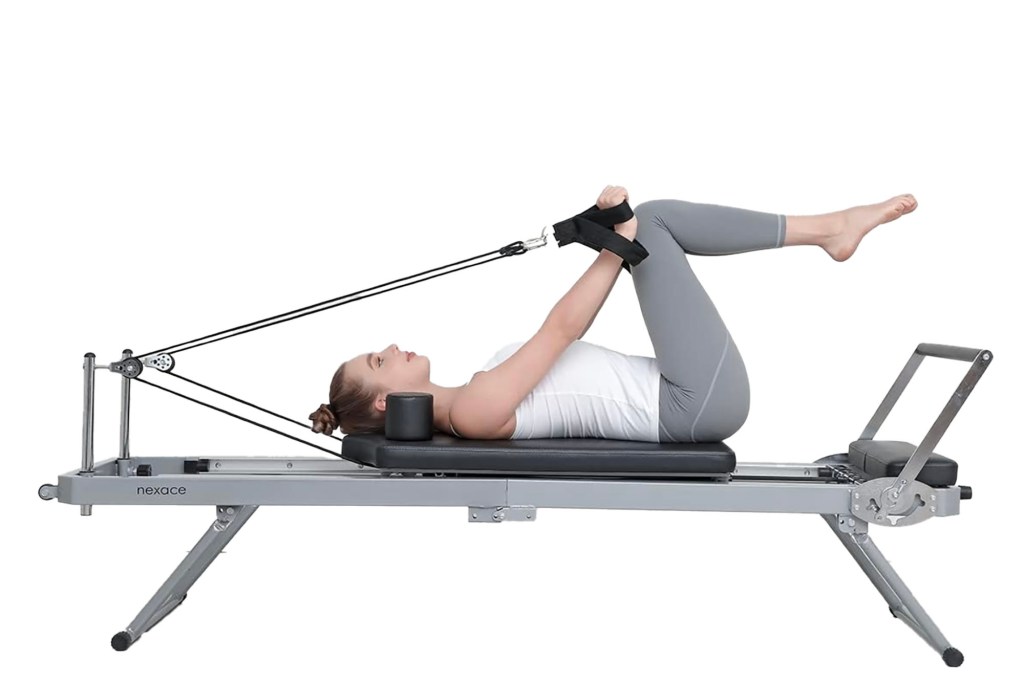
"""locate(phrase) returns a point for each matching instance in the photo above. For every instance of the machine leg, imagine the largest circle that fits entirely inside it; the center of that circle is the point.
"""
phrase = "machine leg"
(230, 520)
(879, 571)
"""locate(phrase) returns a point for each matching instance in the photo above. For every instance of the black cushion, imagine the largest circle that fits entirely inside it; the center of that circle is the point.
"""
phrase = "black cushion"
(886, 458)
(583, 456)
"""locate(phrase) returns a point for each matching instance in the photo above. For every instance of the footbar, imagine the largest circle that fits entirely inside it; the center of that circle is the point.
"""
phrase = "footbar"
(902, 499)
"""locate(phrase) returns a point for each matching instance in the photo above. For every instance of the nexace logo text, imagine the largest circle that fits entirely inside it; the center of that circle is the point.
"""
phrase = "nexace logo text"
(165, 490)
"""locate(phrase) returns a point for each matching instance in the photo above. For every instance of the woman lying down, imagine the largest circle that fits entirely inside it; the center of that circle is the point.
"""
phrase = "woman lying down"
(555, 385)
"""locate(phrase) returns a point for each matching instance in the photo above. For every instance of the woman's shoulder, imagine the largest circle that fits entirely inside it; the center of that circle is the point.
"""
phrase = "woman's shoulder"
(462, 412)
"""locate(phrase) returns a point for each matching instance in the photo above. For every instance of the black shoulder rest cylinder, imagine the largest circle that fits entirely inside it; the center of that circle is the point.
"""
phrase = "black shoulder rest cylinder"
(409, 416)
(595, 228)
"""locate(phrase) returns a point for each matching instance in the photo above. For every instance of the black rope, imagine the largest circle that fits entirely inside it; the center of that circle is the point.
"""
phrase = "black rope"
(512, 249)
(232, 414)
(252, 405)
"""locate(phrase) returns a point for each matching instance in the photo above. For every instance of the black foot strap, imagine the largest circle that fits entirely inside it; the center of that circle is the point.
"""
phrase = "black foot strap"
(595, 228)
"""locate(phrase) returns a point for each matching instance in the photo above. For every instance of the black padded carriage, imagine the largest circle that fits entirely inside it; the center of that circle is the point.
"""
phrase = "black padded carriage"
(581, 456)
(603, 457)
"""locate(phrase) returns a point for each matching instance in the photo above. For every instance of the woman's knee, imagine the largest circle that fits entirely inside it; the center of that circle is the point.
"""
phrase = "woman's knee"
(646, 211)
(655, 211)
(649, 226)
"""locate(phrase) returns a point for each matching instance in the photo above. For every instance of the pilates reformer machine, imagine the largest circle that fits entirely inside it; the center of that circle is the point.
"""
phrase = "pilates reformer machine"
(890, 483)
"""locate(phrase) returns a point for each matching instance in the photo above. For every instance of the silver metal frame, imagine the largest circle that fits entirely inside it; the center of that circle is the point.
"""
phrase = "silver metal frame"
(237, 486)
(126, 389)
(891, 498)
(312, 482)
(88, 422)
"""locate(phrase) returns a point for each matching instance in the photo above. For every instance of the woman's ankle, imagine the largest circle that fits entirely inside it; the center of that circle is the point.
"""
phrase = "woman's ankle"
(813, 230)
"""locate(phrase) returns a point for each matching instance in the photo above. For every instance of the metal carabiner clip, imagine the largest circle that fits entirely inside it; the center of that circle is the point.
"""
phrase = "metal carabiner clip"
(537, 242)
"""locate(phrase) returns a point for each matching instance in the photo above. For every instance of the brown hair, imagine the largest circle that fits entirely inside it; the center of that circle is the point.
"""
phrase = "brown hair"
(350, 407)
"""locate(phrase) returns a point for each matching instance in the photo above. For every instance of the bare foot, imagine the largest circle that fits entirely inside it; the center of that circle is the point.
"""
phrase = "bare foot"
(852, 224)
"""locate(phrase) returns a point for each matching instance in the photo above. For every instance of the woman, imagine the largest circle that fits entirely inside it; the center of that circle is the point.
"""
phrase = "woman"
(556, 386)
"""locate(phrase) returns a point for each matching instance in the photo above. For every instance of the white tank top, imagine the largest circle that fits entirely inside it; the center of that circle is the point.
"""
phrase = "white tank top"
(590, 392)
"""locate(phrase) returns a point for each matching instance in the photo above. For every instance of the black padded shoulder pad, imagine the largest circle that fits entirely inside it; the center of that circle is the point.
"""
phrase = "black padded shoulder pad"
(583, 456)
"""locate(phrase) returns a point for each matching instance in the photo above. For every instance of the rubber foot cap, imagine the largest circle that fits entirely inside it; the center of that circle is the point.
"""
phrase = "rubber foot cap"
(952, 657)
(121, 641)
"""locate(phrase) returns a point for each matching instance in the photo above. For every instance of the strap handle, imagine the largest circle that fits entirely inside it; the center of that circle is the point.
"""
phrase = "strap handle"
(594, 228)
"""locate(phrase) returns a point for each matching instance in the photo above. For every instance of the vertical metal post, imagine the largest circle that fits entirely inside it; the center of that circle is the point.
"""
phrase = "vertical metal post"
(125, 400)
(88, 414)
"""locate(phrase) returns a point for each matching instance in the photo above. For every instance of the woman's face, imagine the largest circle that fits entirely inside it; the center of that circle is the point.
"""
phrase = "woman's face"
(390, 370)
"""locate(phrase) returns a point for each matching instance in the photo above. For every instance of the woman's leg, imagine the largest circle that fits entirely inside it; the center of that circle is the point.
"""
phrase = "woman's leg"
(705, 395)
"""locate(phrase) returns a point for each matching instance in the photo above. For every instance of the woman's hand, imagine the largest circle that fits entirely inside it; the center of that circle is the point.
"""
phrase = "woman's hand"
(613, 195)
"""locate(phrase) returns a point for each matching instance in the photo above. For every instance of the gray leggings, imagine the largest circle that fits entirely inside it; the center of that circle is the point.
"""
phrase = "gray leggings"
(704, 394)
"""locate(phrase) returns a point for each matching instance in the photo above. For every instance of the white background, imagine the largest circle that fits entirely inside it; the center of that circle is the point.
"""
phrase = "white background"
(170, 170)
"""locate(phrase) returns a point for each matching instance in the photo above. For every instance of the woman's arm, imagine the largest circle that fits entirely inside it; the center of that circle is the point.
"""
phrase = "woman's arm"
(576, 311)
(486, 407)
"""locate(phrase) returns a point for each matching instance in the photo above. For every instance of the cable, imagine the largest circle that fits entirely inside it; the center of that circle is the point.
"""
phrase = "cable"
(509, 250)
(252, 405)
(513, 249)
(232, 414)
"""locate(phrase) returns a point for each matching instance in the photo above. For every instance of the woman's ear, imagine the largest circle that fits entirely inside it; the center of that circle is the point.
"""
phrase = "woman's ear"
(381, 403)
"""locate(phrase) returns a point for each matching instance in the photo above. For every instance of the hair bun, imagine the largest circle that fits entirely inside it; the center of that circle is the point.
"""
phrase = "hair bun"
(323, 420)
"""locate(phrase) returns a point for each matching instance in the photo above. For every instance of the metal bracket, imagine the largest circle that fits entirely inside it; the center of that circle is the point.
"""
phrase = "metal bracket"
(499, 514)
(893, 502)
(851, 525)
(225, 516)
(127, 367)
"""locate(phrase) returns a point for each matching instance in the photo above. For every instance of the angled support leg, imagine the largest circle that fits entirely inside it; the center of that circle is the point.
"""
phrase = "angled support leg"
(230, 520)
(853, 534)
